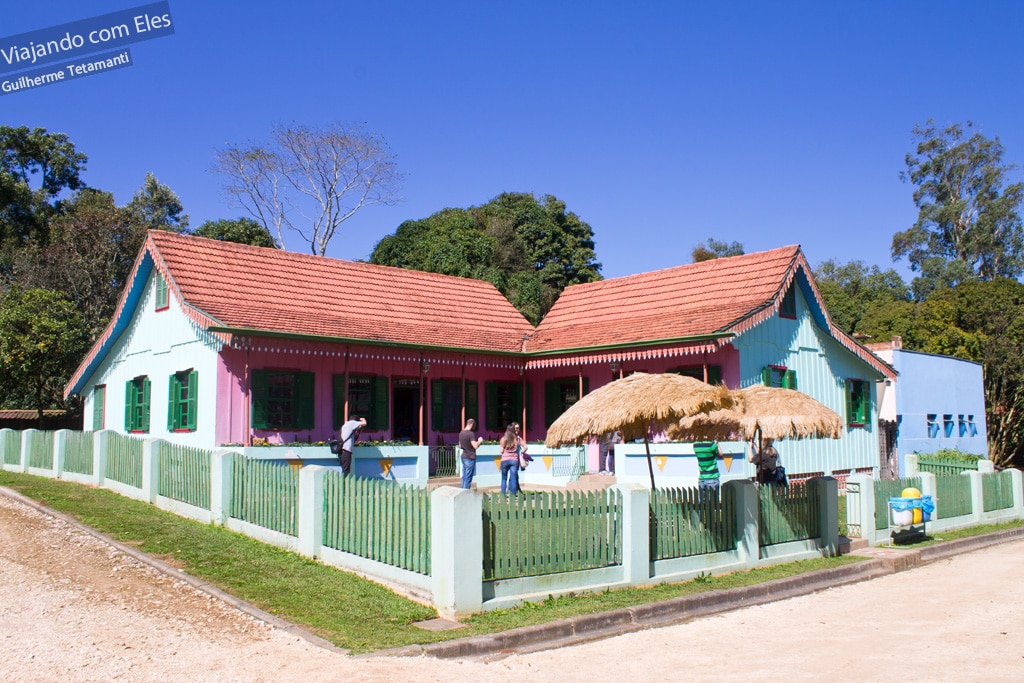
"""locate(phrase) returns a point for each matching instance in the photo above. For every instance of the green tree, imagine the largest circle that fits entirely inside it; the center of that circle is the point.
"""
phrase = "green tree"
(967, 226)
(529, 250)
(852, 291)
(712, 249)
(156, 207)
(42, 339)
(240, 230)
(36, 169)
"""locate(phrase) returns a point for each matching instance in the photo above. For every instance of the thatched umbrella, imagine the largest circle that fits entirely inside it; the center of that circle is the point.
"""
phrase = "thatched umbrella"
(760, 412)
(636, 405)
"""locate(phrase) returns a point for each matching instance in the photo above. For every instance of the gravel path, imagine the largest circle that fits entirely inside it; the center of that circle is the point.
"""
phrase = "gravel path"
(72, 608)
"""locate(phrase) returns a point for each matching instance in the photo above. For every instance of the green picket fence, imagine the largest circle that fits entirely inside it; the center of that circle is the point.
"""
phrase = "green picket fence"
(945, 467)
(378, 520)
(78, 456)
(688, 521)
(886, 489)
(265, 494)
(41, 451)
(997, 491)
(12, 447)
(953, 496)
(551, 532)
(787, 513)
(184, 474)
(124, 460)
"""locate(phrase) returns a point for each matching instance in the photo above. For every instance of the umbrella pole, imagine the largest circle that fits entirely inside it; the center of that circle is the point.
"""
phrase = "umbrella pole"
(650, 467)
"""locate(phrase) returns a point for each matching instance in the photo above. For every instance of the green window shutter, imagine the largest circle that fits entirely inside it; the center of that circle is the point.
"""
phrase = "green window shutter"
(473, 401)
(865, 402)
(381, 387)
(305, 399)
(491, 404)
(173, 402)
(551, 404)
(789, 379)
(338, 402)
(437, 405)
(129, 406)
(586, 386)
(145, 404)
(851, 410)
(766, 376)
(259, 398)
(99, 400)
(193, 400)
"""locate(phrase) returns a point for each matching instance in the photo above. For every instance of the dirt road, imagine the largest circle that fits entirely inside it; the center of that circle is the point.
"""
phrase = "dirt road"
(75, 609)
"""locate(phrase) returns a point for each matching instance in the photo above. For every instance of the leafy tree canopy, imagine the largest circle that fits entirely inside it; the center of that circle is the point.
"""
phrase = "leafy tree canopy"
(156, 207)
(42, 336)
(968, 225)
(712, 249)
(240, 230)
(853, 290)
(530, 250)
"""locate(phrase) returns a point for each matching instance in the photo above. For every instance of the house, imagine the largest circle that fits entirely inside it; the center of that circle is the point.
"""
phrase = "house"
(247, 342)
(937, 403)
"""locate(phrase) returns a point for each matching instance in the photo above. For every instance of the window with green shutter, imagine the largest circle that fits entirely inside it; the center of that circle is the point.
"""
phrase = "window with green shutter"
(183, 395)
(136, 405)
(446, 404)
(162, 301)
(99, 406)
(282, 400)
(778, 376)
(858, 402)
(560, 395)
(787, 307)
(504, 404)
(697, 372)
(367, 397)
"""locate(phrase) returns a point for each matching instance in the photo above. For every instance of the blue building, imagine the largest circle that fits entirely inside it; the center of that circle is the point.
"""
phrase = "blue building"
(935, 403)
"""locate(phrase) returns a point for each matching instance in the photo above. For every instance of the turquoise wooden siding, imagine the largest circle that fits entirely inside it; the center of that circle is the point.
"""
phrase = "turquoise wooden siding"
(822, 366)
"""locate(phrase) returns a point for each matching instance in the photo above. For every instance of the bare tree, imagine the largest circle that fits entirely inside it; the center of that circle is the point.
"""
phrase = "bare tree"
(310, 180)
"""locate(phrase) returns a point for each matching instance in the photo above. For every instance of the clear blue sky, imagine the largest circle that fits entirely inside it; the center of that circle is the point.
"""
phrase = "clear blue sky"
(658, 123)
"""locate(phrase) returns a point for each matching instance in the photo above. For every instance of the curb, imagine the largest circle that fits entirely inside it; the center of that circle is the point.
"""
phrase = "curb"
(176, 573)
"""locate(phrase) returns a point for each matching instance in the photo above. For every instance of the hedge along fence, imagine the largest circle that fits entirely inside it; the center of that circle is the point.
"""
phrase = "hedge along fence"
(691, 521)
(378, 520)
(550, 532)
(266, 494)
(942, 466)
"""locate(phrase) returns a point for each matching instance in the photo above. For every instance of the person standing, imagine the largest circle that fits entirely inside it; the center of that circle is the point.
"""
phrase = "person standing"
(468, 443)
(707, 465)
(509, 461)
(606, 452)
(349, 435)
(766, 460)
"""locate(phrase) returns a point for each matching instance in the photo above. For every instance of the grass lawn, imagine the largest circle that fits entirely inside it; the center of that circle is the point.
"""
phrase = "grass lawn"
(343, 608)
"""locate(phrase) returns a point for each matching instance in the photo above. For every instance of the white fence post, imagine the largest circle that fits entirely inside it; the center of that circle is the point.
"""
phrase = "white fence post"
(1018, 492)
(910, 466)
(221, 463)
(311, 509)
(456, 551)
(150, 470)
(636, 529)
(27, 438)
(862, 514)
(977, 496)
(748, 541)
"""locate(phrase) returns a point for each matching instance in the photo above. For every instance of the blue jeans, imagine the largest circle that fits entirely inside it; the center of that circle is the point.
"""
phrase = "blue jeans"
(468, 470)
(510, 476)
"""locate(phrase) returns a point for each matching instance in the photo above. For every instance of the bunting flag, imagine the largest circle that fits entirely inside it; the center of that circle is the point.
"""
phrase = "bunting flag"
(728, 462)
(660, 462)
(385, 466)
(548, 459)
(497, 463)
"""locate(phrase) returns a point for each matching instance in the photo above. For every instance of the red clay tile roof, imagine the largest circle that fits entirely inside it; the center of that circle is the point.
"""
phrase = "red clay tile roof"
(240, 286)
(685, 301)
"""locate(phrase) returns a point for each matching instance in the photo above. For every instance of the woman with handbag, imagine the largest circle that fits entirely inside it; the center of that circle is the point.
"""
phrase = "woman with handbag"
(509, 461)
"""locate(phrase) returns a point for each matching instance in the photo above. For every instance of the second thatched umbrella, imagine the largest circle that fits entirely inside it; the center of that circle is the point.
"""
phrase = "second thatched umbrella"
(637, 406)
(761, 412)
